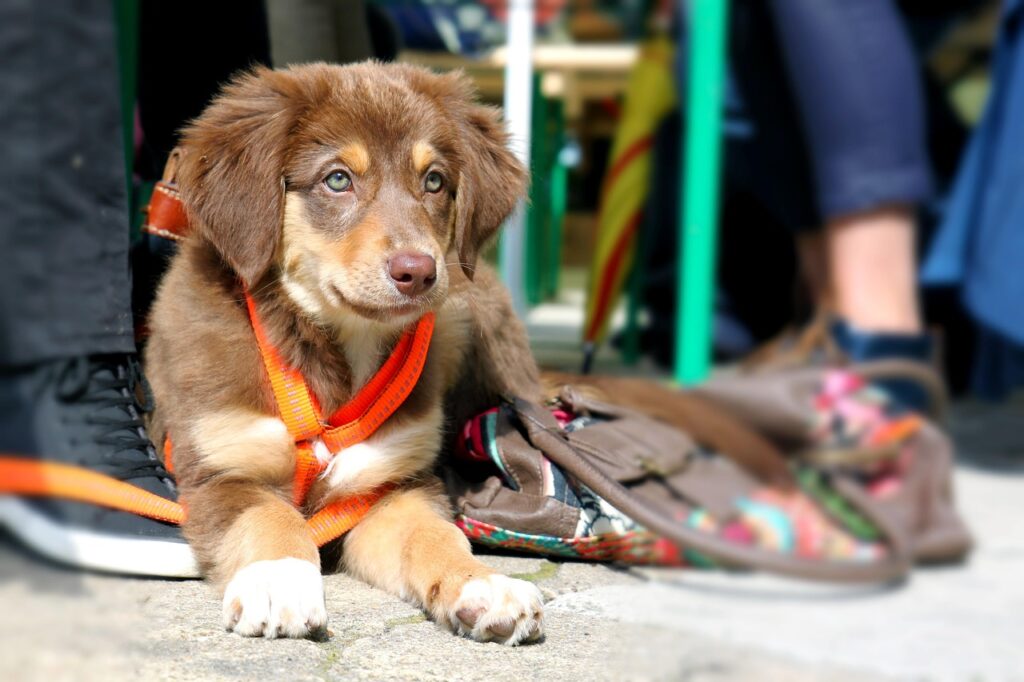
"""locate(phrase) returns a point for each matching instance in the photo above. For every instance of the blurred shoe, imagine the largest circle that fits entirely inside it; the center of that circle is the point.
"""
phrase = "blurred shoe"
(904, 365)
(810, 345)
(88, 412)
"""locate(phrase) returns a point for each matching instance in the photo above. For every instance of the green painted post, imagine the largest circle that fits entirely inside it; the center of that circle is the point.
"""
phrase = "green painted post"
(699, 214)
(126, 17)
(536, 208)
(557, 197)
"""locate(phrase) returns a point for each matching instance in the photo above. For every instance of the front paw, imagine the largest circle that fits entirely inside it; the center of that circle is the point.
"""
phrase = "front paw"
(500, 609)
(282, 598)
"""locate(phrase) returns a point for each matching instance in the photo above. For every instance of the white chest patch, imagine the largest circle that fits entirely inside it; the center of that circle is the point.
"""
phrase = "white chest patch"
(391, 455)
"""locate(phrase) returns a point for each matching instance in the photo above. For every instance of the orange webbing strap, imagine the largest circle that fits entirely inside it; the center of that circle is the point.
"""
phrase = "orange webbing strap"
(307, 468)
(298, 412)
(168, 454)
(355, 421)
(370, 409)
(52, 479)
(362, 401)
(340, 517)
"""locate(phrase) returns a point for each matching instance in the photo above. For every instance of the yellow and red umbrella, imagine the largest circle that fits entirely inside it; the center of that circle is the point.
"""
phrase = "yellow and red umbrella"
(650, 96)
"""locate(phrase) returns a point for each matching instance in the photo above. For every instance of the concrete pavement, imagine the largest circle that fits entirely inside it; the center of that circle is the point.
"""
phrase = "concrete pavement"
(954, 623)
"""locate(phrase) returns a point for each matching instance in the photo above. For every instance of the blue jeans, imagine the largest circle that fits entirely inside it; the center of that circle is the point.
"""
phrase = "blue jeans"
(851, 69)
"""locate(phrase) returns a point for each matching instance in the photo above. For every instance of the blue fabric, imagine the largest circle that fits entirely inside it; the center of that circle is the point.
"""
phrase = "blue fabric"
(980, 244)
(858, 89)
(861, 346)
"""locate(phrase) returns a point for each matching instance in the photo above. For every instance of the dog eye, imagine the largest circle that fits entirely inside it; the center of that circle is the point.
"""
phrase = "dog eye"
(338, 181)
(433, 182)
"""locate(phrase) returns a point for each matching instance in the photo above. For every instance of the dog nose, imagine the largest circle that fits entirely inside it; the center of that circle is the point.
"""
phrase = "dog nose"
(413, 273)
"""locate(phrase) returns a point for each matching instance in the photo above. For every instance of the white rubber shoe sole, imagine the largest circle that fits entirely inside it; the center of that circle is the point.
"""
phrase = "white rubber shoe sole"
(95, 551)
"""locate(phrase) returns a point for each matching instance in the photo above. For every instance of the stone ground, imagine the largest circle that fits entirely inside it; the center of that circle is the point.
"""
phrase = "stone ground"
(956, 623)
(603, 623)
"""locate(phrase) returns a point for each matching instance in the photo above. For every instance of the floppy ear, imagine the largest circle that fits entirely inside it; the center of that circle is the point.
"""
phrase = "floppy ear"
(491, 182)
(231, 175)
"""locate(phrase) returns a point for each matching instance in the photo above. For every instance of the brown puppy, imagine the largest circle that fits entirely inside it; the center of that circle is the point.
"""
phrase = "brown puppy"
(348, 201)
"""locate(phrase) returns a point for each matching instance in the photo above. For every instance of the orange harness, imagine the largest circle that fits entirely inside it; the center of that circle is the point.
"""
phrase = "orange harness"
(317, 441)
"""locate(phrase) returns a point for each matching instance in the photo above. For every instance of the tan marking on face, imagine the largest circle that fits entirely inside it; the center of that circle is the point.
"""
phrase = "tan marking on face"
(302, 243)
(423, 154)
(356, 157)
(245, 442)
(365, 242)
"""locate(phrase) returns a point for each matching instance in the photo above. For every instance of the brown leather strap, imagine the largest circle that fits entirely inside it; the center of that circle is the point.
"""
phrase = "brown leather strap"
(704, 420)
(545, 434)
(166, 216)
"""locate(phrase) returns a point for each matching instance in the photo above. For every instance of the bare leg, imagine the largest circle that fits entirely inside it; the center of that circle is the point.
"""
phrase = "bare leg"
(872, 263)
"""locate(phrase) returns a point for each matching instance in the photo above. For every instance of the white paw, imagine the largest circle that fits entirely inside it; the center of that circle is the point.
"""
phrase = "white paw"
(282, 598)
(501, 609)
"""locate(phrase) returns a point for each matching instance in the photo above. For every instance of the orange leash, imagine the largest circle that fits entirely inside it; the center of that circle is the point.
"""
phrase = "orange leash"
(32, 478)
(52, 479)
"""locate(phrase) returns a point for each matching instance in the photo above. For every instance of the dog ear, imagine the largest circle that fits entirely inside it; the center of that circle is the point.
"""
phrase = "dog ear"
(491, 182)
(231, 173)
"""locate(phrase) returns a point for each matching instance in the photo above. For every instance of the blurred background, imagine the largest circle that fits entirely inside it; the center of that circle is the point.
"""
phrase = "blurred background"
(804, 126)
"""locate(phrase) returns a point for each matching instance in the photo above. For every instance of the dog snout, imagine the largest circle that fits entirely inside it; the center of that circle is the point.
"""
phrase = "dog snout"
(413, 273)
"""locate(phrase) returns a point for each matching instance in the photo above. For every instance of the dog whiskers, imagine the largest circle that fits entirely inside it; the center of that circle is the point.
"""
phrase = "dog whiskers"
(258, 291)
(460, 263)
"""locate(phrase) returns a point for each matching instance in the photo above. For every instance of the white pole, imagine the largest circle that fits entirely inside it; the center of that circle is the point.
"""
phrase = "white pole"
(518, 108)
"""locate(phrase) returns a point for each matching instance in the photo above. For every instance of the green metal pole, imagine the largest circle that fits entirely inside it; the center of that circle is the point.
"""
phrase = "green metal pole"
(699, 214)
(558, 188)
(536, 208)
(559, 198)
(126, 17)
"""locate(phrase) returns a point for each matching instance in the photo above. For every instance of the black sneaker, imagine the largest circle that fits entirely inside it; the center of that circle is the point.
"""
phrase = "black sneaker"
(87, 412)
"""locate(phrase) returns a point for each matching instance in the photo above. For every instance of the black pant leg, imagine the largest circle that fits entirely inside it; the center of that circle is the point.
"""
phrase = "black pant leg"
(64, 282)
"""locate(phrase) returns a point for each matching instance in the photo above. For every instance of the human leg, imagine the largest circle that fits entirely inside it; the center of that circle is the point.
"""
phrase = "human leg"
(860, 99)
(70, 388)
(858, 92)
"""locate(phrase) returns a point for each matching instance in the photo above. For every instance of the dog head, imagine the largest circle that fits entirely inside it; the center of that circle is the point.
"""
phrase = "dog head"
(358, 186)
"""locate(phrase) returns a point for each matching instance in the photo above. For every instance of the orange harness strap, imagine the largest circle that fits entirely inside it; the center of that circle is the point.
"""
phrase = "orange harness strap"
(354, 421)
(293, 399)
(340, 517)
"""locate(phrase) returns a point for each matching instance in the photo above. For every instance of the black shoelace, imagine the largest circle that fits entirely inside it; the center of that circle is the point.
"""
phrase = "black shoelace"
(118, 396)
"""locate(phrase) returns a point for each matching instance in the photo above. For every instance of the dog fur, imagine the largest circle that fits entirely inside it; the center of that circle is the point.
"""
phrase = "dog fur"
(253, 179)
